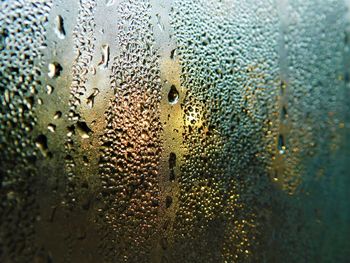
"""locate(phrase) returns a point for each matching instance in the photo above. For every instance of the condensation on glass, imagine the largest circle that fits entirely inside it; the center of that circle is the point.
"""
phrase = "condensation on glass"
(174, 131)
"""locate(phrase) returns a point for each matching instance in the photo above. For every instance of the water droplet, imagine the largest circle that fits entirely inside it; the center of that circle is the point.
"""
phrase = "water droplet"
(281, 144)
(284, 113)
(49, 89)
(92, 70)
(83, 130)
(105, 56)
(7, 96)
(283, 86)
(172, 160)
(144, 135)
(51, 127)
(59, 29)
(41, 143)
(85, 160)
(109, 2)
(30, 102)
(173, 54)
(91, 98)
(160, 25)
(173, 95)
(71, 130)
(172, 175)
(168, 201)
(57, 115)
(54, 70)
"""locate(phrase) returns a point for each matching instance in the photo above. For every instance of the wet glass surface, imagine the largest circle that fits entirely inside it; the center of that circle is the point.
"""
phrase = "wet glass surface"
(174, 131)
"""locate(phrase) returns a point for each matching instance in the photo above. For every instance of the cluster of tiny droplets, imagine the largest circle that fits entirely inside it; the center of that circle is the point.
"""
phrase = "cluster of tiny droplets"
(83, 35)
(131, 145)
(22, 38)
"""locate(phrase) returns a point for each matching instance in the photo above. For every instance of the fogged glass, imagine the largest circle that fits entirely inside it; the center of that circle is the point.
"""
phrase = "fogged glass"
(174, 131)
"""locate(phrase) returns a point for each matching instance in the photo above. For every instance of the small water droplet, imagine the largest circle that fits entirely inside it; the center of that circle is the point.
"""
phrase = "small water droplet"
(70, 130)
(7, 96)
(144, 135)
(54, 70)
(91, 98)
(172, 160)
(51, 127)
(49, 89)
(159, 23)
(281, 144)
(83, 130)
(283, 86)
(173, 95)
(92, 70)
(109, 2)
(57, 115)
(59, 29)
(173, 54)
(85, 160)
(284, 113)
(168, 201)
(105, 56)
(41, 143)
(172, 175)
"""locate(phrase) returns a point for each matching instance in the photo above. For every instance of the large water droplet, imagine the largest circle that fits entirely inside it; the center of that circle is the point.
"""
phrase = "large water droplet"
(54, 70)
(59, 29)
(83, 130)
(105, 56)
(173, 95)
